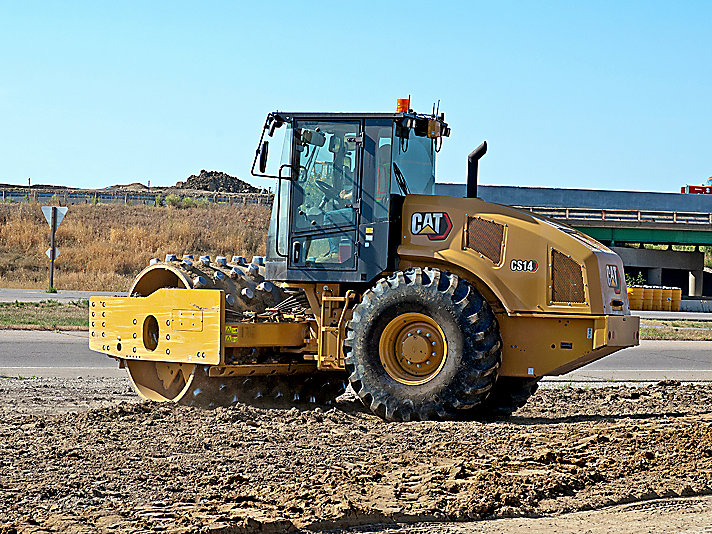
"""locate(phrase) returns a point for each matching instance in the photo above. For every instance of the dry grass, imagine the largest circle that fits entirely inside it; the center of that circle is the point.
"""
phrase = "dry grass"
(45, 315)
(678, 323)
(674, 334)
(678, 330)
(102, 247)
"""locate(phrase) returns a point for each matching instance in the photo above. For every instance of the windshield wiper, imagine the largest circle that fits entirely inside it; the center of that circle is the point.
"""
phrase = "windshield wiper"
(400, 179)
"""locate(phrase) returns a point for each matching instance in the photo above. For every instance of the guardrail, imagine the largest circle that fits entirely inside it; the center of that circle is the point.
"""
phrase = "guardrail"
(67, 197)
(78, 197)
(642, 216)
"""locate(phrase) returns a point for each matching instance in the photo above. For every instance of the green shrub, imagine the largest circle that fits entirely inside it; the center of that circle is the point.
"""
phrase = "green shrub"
(638, 280)
(173, 200)
(187, 202)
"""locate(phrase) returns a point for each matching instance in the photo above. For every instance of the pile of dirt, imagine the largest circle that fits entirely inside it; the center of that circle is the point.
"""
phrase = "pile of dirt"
(135, 186)
(217, 181)
(152, 467)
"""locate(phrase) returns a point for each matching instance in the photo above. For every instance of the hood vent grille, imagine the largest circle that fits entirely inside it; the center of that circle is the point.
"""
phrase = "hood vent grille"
(486, 238)
(566, 279)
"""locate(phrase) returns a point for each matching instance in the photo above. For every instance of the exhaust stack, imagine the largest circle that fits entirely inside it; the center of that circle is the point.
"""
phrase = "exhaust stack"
(472, 161)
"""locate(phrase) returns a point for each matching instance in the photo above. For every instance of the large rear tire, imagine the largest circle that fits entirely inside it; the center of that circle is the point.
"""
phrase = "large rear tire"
(422, 344)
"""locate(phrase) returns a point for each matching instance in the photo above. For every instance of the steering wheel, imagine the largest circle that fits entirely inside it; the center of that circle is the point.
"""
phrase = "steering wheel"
(329, 190)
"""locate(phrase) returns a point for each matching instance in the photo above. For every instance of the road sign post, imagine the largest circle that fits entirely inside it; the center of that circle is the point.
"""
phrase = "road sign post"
(53, 229)
(54, 216)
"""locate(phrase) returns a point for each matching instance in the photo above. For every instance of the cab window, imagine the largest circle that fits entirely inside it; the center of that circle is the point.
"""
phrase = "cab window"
(413, 163)
(279, 224)
(324, 194)
(383, 174)
(325, 189)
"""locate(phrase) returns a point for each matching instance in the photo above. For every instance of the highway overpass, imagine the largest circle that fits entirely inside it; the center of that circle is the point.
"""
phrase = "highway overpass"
(619, 218)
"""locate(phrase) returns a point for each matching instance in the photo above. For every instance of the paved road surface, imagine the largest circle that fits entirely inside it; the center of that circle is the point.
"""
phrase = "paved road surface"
(67, 354)
(36, 295)
(651, 361)
(47, 354)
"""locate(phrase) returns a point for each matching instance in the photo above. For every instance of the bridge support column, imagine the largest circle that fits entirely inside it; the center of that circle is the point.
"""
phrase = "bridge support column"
(655, 276)
(695, 285)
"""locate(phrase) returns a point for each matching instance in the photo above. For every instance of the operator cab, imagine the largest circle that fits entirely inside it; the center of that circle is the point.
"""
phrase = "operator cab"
(340, 184)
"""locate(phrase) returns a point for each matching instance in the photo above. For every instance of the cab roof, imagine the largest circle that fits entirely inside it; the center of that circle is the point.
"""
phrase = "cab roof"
(349, 115)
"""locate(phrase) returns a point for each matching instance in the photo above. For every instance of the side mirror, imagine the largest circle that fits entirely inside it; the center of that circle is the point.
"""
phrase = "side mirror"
(263, 156)
(277, 122)
(334, 144)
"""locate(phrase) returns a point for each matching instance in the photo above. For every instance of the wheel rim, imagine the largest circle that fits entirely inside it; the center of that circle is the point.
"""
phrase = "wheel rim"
(412, 348)
(158, 276)
(160, 381)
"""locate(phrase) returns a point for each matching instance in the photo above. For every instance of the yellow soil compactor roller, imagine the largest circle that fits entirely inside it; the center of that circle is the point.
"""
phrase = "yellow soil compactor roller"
(431, 307)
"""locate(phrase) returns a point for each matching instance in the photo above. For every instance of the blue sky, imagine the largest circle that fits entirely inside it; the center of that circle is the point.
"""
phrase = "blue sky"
(611, 95)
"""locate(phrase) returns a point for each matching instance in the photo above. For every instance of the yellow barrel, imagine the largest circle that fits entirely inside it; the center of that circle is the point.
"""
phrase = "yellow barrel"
(657, 298)
(667, 298)
(676, 298)
(635, 297)
(647, 297)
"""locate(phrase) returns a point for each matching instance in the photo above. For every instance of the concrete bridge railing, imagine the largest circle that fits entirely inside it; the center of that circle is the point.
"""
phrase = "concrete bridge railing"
(617, 215)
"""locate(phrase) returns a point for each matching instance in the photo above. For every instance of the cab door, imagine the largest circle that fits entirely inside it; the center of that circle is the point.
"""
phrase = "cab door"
(325, 199)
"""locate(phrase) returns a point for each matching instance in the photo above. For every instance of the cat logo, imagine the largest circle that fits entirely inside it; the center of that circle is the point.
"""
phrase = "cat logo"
(614, 279)
(435, 225)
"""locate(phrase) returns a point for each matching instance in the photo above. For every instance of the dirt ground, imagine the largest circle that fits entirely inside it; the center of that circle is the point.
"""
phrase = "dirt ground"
(86, 456)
